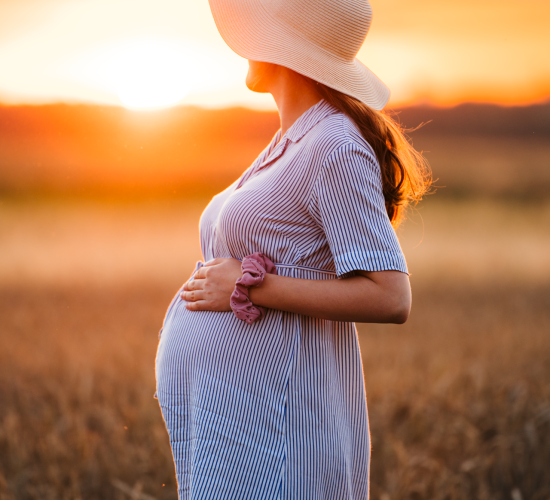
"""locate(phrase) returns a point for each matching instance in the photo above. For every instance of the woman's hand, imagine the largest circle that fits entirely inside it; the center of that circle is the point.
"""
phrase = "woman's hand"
(212, 286)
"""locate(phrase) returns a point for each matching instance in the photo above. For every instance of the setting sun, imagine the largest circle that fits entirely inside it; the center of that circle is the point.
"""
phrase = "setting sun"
(151, 74)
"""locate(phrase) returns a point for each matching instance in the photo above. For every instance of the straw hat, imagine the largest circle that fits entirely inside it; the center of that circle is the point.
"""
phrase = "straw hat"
(316, 38)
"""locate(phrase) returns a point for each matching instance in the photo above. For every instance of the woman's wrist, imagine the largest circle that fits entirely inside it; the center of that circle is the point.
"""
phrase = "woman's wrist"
(260, 293)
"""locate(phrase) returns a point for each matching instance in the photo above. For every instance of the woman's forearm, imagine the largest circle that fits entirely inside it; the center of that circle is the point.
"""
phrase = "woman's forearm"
(374, 297)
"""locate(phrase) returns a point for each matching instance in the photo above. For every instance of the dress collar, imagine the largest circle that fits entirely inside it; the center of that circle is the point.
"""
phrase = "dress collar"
(309, 119)
(299, 129)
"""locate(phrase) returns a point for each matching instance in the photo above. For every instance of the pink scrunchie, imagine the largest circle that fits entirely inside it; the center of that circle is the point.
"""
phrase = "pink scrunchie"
(254, 268)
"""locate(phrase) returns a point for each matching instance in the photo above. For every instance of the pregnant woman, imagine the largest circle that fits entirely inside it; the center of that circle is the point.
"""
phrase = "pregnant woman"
(259, 374)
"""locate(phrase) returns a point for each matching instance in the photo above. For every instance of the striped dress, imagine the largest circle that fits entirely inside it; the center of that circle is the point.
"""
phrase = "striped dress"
(277, 409)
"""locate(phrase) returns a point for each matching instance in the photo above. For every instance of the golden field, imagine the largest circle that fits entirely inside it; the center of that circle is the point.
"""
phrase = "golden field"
(459, 396)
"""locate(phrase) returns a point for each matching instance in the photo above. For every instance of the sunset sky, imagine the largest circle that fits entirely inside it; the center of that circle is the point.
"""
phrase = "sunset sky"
(152, 53)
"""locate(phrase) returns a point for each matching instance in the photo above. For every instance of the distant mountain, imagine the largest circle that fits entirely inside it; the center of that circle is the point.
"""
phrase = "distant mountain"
(76, 149)
(485, 119)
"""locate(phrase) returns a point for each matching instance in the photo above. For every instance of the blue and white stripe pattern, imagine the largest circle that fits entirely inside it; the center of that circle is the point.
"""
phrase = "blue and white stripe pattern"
(277, 409)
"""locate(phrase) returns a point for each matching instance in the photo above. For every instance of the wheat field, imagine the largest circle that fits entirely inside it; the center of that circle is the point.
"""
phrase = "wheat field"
(459, 396)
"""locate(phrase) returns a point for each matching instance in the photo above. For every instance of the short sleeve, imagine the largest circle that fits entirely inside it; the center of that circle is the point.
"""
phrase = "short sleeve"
(348, 203)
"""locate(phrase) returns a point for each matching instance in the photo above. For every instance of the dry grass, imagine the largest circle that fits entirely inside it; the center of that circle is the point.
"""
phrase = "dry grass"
(459, 397)
(77, 384)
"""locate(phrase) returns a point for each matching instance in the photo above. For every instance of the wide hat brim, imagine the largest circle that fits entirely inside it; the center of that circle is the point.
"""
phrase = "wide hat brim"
(250, 31)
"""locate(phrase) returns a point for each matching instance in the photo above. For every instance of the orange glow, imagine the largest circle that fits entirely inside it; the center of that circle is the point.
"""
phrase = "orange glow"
(148, 55)
(537, 94)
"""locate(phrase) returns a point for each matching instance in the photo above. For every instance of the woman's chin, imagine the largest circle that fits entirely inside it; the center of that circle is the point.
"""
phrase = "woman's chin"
(255, 84)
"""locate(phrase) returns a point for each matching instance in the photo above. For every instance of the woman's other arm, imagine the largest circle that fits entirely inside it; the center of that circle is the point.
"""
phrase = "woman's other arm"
(369, 297)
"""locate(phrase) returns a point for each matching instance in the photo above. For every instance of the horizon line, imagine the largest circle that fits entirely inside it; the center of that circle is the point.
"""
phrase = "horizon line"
(422, 103)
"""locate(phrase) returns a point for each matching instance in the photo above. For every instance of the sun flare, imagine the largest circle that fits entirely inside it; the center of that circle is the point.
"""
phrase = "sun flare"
(151, 74)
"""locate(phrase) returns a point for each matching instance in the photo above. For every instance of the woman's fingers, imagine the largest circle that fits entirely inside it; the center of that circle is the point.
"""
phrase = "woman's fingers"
(200, 305)
(196, 284)
(193, 295)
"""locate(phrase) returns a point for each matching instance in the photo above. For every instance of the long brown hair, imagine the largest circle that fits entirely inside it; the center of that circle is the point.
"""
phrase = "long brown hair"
(406, 176)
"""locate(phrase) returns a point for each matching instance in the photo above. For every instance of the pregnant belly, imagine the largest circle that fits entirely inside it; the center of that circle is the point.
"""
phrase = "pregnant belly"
(205, 351)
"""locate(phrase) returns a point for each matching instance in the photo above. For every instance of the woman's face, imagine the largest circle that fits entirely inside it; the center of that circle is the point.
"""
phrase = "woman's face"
(261, 76)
